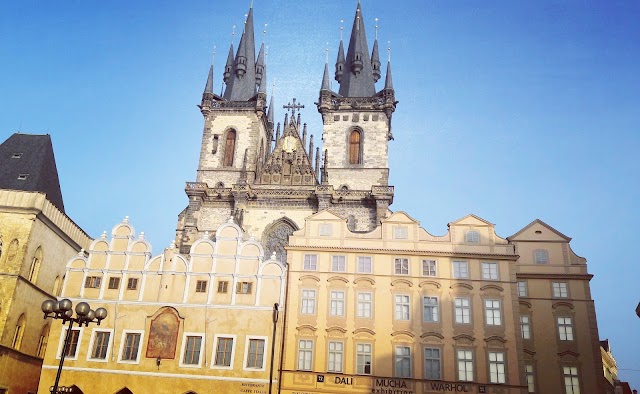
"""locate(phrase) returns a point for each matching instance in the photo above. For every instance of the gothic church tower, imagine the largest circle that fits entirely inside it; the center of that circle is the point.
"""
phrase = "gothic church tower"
(268, 178)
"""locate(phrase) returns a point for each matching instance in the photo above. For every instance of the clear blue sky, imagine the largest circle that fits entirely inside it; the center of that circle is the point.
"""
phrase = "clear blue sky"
(510, 110)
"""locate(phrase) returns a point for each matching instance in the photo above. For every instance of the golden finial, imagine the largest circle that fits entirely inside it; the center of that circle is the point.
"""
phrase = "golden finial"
(376, 28)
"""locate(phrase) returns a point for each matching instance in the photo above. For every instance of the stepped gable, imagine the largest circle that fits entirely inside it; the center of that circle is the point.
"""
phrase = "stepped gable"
(289, 163)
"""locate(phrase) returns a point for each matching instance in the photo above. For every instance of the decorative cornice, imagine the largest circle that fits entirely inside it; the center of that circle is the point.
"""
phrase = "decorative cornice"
(495, 338)
(312, 277)
(410, 252)
(364, 279)
(461, 284)
(403, 332)
(495, 287)
(464, 336)
(555, 305)
(401, 281)
(336, 328)
(526, 303)
(364, 330)
(429, 283)
(526, 275)
(568, 353)
(432, 334)
(306, 327)
(338, 279)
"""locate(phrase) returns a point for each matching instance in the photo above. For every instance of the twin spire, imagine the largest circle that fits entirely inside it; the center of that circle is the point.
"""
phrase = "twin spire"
(357, 72)
(243, 75)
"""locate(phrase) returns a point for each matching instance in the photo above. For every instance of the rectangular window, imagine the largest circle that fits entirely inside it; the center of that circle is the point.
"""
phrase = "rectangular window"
(100, 345)
(429, 268)
(131, 347)
(336, 352)
(403, 362)
(401, 266)
(402, 307)
(42, 345)
(114, 283)
(525, 327)
(364, 305)
(201, 286)
(244, 287)
(73, 343)
(492, 312)
(531, 381)
(565, 329)
(541, 256)
(497, 368)
(462, 309)
(192, 350)
(338, 264)
(560, 289)
(308, 302)
(432, 364)
(305, 354)
(571, 380)
(522, 289)
(337, 303)
(325, 230)
(465, 365)
(255, 357)
(310, 262)
(364, 264)
(92, 282)
(400, 232)
(430, 308)
(363, 358)
(490, 271)
(224, 350)
(132, 284)
(460, 269)
(223, 286)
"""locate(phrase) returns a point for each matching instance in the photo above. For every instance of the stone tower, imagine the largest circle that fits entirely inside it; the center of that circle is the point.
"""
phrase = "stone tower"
(268, 178)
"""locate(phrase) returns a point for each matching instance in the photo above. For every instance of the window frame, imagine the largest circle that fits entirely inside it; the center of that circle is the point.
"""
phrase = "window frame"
(472, 237)
(133, 283)
(435, 307)
(123, 338)
(307, 306)
(565, 330)
(364, 356)
(201, 286)
(223, 286)
(426, 363)
(530, 377)
(325, 229)
(404, 268)
(339, 303)
(429, 268)
(214, 357)
(402, 304)
(93, 282)
(355, 147)
(363, 302)
(114, 283)
(335, 268)
(495, 311)
(497, 363)
(574, 377)
(404, 357)
(183, 349)
(522, 288)
(467, 361)
(457, 269)
(90, 351)
(228, 158)
(541, 256)
(245, 288)
(63, 335)
(488, 273)
(462, 309)
(525, 327)
(362, 263)
(560, 289)
(339, 352)
(265, 349)
(307, 353)
(311, 264)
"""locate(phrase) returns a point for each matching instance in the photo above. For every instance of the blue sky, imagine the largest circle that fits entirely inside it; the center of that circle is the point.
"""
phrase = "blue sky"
(510, 110)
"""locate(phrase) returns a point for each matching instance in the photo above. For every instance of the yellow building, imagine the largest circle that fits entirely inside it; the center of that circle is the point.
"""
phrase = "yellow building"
(36, 241)
(398, 310)
(175, 324)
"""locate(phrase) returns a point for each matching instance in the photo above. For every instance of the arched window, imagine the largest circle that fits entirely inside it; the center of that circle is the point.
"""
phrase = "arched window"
(354, 147)
(42, 342)
(35, 265)
(229, 148)
(18, 333)
(56, 286)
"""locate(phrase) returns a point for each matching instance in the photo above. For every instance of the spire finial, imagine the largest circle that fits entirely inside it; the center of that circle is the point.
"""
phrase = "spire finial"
(389, 51)
(358, 17)
(233, 34)
(376, 28)
(213, 57)
(326, 51)
(341, 28)
(266, 54)
(264, 33)
(251, 5)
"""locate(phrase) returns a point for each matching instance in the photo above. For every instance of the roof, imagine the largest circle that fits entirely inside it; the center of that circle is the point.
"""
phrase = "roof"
(540, 222)
(27, 163)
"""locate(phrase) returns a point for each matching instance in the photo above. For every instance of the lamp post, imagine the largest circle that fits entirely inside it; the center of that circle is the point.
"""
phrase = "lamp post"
(64, 310)
(273, 344)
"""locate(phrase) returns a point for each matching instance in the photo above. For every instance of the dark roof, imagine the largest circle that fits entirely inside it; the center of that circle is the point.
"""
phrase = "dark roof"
(27, 163)
(243, 87)
(360, 83)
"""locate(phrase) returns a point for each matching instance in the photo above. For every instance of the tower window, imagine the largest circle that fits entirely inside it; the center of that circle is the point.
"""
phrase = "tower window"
(355, 147)
(229, 148)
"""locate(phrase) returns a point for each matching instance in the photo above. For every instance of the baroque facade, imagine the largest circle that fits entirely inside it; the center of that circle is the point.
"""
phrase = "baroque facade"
(175, 324)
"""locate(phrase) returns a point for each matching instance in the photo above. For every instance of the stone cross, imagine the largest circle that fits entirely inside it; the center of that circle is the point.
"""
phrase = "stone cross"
(293, 107)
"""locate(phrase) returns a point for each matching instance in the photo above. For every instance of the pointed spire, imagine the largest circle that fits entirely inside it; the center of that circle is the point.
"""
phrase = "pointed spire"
(263, 82)
(318, 162)
(375, 58)
(358, 80)
(388, 82)
(270, 111)
(278, 132)
(242, 82)
(311, 149)
(325, 172)
(228, 68)
(325, 78)
(208, 88)
(340, 62)
(304, 134)
(260, 65)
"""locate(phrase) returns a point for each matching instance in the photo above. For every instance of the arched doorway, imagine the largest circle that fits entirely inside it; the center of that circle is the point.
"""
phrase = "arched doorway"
(276, 236)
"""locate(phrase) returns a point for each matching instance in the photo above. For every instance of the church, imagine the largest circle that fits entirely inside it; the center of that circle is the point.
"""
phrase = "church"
(291, 273)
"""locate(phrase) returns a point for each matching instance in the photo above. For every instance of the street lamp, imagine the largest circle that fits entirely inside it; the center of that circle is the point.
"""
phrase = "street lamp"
(273, 343)
(63, 310)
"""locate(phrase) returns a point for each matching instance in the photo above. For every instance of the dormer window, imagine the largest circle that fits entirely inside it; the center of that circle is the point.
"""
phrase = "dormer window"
(22, 177)
(16, 155)
(541, 256)
(400, 232)
(472, 236)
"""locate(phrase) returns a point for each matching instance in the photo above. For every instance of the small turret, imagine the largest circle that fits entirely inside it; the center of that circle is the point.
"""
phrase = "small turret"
(388, 82)
(340, 63)
(278, 133)
(375, 62)
(304, 133)
(311, 148)
(228, 68)
(260, 66)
